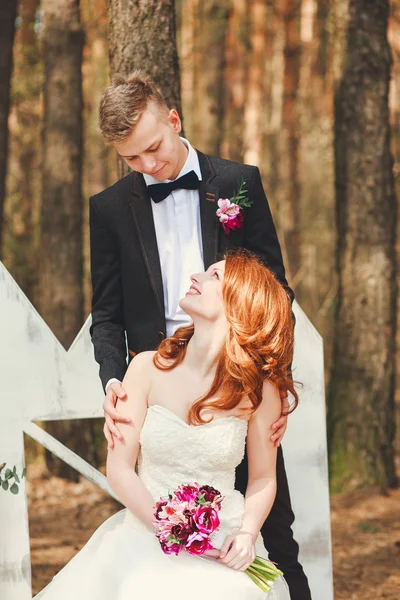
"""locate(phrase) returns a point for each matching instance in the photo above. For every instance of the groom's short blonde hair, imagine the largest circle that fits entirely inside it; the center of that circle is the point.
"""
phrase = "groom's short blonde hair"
(123, 102)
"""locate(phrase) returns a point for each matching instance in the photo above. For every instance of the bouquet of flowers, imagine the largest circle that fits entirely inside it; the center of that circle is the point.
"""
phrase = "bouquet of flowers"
(187, 519)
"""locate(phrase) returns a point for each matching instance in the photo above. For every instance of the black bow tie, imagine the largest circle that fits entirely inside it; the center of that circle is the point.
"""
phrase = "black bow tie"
(159, 191)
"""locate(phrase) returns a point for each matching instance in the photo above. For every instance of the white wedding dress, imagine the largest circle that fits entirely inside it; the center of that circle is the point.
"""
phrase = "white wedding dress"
(123, 559)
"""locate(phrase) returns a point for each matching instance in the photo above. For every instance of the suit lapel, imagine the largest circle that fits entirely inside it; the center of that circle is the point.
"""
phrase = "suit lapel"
(209, 195)
(144, 222)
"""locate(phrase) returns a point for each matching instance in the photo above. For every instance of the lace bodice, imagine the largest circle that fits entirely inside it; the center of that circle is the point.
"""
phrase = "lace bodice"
(174, 453)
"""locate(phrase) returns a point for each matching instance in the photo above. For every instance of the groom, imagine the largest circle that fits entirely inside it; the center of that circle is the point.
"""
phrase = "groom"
(149, 232)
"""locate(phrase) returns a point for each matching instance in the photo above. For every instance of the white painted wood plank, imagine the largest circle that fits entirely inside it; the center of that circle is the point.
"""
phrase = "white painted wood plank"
(15, 562)
(305, 452)
(68, 456)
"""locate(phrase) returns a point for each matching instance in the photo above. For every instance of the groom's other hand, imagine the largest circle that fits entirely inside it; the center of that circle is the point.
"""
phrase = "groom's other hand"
(279, 427)
(115, 392)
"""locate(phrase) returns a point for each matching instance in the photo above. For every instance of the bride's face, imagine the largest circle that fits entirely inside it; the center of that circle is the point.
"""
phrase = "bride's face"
(204, 297)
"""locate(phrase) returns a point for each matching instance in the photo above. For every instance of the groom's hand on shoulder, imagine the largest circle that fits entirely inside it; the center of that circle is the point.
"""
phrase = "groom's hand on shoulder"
(279, 427)
(114, 392)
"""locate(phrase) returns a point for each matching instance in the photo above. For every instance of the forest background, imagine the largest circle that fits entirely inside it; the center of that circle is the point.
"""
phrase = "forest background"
(308, 90)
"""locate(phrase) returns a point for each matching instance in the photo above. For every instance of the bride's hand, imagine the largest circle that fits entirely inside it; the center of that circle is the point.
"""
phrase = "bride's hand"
(238, 551)
(214, 553)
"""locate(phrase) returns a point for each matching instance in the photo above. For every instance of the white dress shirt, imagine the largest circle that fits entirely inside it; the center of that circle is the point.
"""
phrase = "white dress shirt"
(178, 232)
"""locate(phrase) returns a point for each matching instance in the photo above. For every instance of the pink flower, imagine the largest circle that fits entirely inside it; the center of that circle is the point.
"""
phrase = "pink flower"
(206, 519)
(159, 507)
(186, 493)
(197, 543)
(229, 214)
(175, 512)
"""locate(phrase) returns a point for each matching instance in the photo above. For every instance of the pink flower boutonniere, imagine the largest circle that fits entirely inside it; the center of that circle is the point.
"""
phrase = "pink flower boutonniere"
(230, 211)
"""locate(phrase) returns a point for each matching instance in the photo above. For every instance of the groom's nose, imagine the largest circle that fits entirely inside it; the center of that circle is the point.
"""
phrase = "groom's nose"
(148, 164)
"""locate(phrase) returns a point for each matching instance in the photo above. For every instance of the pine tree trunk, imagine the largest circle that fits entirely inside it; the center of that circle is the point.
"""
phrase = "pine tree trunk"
(61, 297)
(24, 190)
(236, 54)
(142, 35)
(290, 202)
(187, 34)
(8, 13)
(361, 395)
(252, 135)
(208, 106)
(99, 159)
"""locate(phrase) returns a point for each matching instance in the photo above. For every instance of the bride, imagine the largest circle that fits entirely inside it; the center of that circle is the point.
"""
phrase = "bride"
(193, 404)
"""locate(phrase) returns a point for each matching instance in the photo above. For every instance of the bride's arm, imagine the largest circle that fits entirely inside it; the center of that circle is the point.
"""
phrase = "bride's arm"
(238, 551)
(261, 456)
(121, 460)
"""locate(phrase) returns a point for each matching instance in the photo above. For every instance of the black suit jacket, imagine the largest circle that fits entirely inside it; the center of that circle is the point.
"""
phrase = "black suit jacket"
(128, 303)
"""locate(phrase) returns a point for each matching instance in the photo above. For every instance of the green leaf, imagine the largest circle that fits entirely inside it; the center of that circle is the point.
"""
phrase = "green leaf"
(15, 469)
(23, 473)
(16, 478)
(240, 197)
(5, 485)
(14, 488)
(8, 474)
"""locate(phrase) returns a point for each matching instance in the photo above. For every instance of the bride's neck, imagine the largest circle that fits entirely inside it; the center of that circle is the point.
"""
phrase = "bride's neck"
(205, 346)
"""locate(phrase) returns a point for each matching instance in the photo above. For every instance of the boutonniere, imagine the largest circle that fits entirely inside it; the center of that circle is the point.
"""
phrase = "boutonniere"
(230, 212)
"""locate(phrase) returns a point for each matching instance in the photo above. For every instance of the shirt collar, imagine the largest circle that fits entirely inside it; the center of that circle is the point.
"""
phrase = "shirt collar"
(191, 164)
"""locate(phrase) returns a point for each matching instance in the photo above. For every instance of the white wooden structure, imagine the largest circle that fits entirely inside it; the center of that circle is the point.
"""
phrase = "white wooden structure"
(42, 381)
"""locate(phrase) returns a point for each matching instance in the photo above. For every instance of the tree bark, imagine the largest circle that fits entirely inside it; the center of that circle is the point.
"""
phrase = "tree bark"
(252, 134)
(290, 204)
(142, 35)
(61, 296)
(8, 13)
(211, 21)
(187, 39)
(361, 395)
(236, 52)
(24, 189)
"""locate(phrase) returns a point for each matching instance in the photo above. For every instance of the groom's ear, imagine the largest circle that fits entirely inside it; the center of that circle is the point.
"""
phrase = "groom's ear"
(175, 120)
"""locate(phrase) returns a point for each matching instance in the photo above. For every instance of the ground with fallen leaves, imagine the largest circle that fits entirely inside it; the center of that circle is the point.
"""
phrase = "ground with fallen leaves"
(365, 530)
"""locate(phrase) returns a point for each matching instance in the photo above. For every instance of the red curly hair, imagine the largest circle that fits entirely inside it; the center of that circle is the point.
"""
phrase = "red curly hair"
(259, 342)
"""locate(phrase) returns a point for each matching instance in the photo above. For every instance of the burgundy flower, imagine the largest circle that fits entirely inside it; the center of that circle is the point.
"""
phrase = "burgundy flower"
(181, 532)
(209, 493)
(233, 223)
(171, 548)
(198, 544)
(206, 519)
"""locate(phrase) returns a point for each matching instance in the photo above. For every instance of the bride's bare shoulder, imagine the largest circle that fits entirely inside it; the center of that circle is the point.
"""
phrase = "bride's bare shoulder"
(143, 360)
(141, 366)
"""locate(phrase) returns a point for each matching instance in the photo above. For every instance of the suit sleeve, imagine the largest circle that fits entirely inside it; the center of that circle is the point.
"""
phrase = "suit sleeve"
(107, 330)
(260, 232)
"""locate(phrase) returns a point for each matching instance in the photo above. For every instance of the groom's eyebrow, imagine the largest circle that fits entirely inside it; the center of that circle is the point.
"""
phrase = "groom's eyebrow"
(148, 149)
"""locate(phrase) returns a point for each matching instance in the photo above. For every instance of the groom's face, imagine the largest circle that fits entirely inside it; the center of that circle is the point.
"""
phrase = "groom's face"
(154, 146)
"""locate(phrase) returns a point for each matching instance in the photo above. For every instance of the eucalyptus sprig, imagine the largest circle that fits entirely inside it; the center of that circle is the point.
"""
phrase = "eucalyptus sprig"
(240, 198)
(6, 475)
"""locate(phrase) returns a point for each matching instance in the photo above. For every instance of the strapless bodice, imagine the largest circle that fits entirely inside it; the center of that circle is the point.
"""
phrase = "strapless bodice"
(173, 453)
